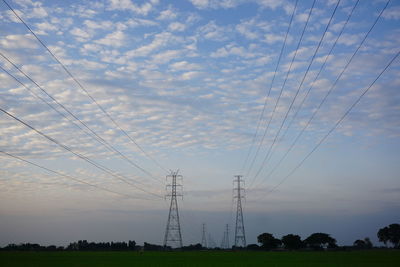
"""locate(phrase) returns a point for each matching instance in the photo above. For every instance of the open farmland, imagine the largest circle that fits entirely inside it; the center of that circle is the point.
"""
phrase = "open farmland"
(206, 258)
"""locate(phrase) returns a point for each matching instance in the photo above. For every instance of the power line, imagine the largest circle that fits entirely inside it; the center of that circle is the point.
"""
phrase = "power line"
(320, 70)
(297, 92)
(329, 91)
(336, 124)
(280, 93)
(71, 177)
(84, 89)
(103, 168)
(94, 134)
(270, 88)
(43, 100)
(47, 103)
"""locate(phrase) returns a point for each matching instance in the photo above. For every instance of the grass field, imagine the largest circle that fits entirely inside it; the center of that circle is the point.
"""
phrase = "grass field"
(72, 259)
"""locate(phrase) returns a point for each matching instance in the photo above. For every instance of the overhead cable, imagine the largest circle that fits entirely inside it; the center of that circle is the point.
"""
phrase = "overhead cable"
(85, 90)
(266, 157)
(280, 93)
(98, 166)
(270, 88)
(335, 126)
(72, 178)
(94, 135)
(329, 91)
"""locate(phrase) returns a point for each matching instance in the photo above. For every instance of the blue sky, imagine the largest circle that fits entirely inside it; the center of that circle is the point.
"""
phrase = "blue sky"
(188, 81)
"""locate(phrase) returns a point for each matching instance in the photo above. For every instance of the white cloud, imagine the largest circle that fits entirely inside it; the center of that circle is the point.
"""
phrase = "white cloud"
(226, 4)
(302, 17)
(143, 9)
(45, 27)
(270, 3)
(90, 48)
(166, 56)
(80, 35)
(392, 13)
(88, 64)
(167, 14)
(214, 32)
(190, 75)
(271, 38)
(244, 29)
(136, 22)
(176, 27)
(159, 41)
(184, 65)
(95, 25)
(349, 39)
(16, 41)
(201, 4)
(117, 39)
(231, 50)
(38, 12)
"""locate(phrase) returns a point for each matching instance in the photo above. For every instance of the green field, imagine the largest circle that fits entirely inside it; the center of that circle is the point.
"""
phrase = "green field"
(206, 258)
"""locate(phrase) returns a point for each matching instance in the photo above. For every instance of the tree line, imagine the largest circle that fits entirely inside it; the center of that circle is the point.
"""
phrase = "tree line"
(389, 235)
(319, 241)
(316, 241)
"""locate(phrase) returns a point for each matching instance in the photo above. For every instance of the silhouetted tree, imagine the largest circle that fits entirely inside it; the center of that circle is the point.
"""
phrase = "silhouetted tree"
(83, 245)
(193, 247)
(359, 243)
(268, 241)
(152, 247)
(131, 245)
(368, 243)
(383, 235)
(319, 241)
(253, 247)
(292, 241)
(390, 234)
(363, 244)
(24, 247)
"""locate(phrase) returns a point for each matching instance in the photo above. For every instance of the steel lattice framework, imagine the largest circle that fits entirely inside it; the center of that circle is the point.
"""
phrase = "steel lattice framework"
(240, 235)
(173, 235)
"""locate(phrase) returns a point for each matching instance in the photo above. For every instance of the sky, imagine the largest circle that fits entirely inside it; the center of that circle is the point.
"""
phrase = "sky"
(203, 87)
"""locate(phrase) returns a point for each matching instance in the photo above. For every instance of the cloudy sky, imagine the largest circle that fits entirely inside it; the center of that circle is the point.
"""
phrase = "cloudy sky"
(187, 81)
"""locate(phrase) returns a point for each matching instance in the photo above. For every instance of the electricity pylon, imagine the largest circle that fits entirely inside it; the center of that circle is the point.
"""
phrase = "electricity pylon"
(240, 236)
(211, 243)
(173, 235)
(225, 239)
(203, 236)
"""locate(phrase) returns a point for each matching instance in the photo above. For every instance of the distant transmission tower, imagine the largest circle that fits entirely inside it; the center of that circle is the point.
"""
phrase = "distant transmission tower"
(211, 243)
(240, 236)
(173, 236)
(203, 236)
(225, 239)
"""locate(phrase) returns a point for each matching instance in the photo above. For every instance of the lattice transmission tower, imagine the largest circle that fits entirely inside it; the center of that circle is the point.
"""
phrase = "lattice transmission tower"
(203, 236)
(240, 235)
(225, 239)
(211, 243)
(173, 235)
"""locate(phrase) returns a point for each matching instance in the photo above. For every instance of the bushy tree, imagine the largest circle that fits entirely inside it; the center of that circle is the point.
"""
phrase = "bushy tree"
(363, 244)
(320, 240)
(192, 247)
(131, 245)
(252, 247)
(268, 241)
(390, 234)
(291, 241)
